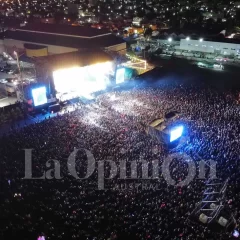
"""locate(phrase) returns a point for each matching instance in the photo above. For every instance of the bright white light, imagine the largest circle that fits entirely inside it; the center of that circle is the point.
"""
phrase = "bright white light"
(236, 234)
(41, 238)
(188, 38)
(82, 81)
(39, 96)
(169, 39)
(176, 133)
(120, 75)
(113, 97)
(231, 36)
(200, 39)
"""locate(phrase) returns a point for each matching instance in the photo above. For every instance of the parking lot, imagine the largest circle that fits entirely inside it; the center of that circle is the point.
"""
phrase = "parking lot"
(11, 78)
(165, 49)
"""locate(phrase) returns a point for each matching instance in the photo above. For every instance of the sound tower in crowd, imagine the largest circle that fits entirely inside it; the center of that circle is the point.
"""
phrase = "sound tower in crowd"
(168, 130)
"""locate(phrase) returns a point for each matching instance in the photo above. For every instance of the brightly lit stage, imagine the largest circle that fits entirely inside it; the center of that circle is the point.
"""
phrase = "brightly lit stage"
(78, 74)
(81, 81)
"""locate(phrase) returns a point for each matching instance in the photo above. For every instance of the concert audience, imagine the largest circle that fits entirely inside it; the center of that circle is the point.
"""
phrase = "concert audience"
(113, 128)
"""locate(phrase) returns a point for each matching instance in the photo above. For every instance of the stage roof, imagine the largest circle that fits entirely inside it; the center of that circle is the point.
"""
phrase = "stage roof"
(33, 46)
(73, 59)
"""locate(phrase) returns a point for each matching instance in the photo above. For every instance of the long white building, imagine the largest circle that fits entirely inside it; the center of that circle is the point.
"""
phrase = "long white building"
(222, 48)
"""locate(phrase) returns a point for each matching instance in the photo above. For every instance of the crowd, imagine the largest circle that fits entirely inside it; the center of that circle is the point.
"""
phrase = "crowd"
(113, 128)
(11, 115)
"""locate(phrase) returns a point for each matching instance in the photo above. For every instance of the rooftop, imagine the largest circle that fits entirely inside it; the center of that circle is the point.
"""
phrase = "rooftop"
(86, 37)
(67, 30)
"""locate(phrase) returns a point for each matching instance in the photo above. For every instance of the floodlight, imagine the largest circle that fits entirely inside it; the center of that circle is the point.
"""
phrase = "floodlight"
(176, 133)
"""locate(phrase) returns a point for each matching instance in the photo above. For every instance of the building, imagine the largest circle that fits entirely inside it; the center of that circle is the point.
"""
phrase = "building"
(46, 39)
(73, 8)
(224, 48)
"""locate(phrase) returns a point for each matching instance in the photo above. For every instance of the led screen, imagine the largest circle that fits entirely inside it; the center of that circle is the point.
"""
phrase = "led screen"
(120, 75)
(82, 81)
(39, 96)
(176, 133)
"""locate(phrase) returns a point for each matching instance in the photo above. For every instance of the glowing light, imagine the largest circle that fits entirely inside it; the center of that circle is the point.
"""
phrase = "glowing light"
(176, 133)
(113, 97)
(200, 39)
(231, 36)
(41, 238)
(188, 38)
(120, 75)
(82, 81)
(39, 96)
(135, 62)
(236, 234)
(170, 39)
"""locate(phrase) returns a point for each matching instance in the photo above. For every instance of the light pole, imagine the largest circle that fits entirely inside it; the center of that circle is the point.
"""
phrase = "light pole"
(20, 73)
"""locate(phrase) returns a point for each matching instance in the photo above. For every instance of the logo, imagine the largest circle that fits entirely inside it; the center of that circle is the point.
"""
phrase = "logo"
(141, 170)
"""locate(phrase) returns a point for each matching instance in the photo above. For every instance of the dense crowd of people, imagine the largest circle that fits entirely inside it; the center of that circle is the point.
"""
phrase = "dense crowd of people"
(112, 128)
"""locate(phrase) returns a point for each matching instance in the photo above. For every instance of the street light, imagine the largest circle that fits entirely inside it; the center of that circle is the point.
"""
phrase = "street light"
(16, 54)
(188, 38)
(20, 73)
(170, 39)
(200, 39)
